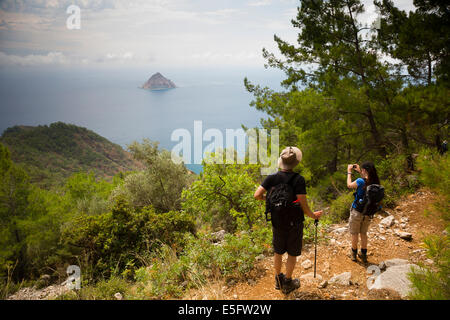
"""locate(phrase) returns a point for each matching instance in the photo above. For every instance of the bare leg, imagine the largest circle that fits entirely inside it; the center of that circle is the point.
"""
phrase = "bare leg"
(277, 263)
(290, 265)
(363, 240)
(355, 241)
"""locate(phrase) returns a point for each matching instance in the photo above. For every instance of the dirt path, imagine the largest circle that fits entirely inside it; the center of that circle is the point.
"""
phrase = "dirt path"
(411, 215)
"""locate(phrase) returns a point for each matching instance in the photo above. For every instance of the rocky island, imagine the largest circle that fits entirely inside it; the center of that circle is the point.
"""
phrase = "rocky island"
(158, 82)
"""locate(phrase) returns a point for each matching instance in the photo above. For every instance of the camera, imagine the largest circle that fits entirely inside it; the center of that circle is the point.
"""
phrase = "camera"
(354, 166)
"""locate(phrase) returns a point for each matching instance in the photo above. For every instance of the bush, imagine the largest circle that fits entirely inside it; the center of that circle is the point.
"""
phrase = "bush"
(340, 208)
(433, 283)
(169, 275)
(102, 290)
(111, 242)
(223, 194)
(435, 174)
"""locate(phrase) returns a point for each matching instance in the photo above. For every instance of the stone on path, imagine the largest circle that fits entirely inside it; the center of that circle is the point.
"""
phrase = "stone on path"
(394, 278)
(307, 264)
(341, 279)
(387, 222)
(310, 277)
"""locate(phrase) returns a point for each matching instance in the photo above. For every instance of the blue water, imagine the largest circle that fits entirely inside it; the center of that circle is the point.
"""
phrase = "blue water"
(110, 102)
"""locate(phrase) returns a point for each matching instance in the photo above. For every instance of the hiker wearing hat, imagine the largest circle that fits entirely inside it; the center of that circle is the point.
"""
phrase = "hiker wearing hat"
(286, 202)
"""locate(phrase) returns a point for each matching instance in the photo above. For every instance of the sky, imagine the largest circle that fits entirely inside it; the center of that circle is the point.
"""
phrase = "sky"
(172, 33)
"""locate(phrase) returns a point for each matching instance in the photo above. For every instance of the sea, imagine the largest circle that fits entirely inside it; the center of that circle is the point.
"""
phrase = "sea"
(110, 102)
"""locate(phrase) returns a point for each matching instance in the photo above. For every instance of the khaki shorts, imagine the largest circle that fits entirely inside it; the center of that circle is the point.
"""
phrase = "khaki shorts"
(358, 223)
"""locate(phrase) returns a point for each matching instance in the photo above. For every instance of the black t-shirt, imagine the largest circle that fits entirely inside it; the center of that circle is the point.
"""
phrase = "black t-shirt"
(283, 177)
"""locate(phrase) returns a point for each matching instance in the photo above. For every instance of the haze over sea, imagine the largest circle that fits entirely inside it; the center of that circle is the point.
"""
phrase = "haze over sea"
(110, 102)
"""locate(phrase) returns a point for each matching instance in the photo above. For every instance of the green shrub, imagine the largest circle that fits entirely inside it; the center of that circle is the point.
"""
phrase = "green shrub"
(340, 208)
(435, 174)
(102, 290)
(433, 283)
(111, 242)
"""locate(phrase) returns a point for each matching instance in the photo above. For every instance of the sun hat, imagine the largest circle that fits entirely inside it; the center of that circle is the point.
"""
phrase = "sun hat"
(289, 158)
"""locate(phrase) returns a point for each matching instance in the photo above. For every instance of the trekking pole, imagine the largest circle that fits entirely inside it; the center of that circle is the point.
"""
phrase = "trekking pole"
(315, 247)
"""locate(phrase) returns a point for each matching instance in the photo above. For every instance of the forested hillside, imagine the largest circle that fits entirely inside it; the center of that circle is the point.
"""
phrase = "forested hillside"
(52, 153)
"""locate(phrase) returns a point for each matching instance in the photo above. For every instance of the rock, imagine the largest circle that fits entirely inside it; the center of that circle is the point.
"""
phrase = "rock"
(341, 279)
(260, 257)
(251, 282)
(394, 278)
(45, 277)
(307, 264)
(387, 222)
(405, 235)
(310, 277)
(340, 230)
(158, 82)
(218, 236)
(395, 262)
(118, 296)
(323, 284)
(429, 261)
(382, 238)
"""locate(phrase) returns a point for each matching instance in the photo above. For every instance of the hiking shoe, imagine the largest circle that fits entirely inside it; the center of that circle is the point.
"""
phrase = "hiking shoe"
(353, 255)
(363, 257)
(279, 280)
(290, 285)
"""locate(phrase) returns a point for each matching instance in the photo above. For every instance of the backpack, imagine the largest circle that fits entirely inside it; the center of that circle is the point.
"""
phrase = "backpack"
(280, 203)
(370, 203)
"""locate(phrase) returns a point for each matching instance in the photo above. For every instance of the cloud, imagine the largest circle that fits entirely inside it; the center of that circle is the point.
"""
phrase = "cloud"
(52, 58)
(259, 3)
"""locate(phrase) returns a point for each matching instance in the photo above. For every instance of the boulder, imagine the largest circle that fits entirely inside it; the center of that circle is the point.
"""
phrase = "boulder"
(395, 262)
(342, 279)
(387, 222)
(218, 236)
(394, 278)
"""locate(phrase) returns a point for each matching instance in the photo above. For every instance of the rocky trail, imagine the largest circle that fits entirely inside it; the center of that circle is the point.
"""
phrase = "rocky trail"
(395, 243)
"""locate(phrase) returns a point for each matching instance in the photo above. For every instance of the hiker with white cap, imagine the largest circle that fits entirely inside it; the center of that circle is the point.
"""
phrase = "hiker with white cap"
(287, 204)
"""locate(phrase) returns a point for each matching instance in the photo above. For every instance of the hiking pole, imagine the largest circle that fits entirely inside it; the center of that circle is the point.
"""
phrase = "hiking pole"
(315, 247)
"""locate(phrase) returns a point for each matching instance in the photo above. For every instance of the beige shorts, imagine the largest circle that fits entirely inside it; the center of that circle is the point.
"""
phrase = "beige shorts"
(358, 223)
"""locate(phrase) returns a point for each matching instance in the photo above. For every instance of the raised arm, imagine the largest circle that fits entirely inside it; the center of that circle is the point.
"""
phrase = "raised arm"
(350, 184)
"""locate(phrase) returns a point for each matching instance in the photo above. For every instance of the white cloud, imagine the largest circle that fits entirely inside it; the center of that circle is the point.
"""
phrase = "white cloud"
(259, 3)
(52, 58)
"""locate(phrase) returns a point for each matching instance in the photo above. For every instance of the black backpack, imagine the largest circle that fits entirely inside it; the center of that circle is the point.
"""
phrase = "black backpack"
(370, 203)
(280, 203)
